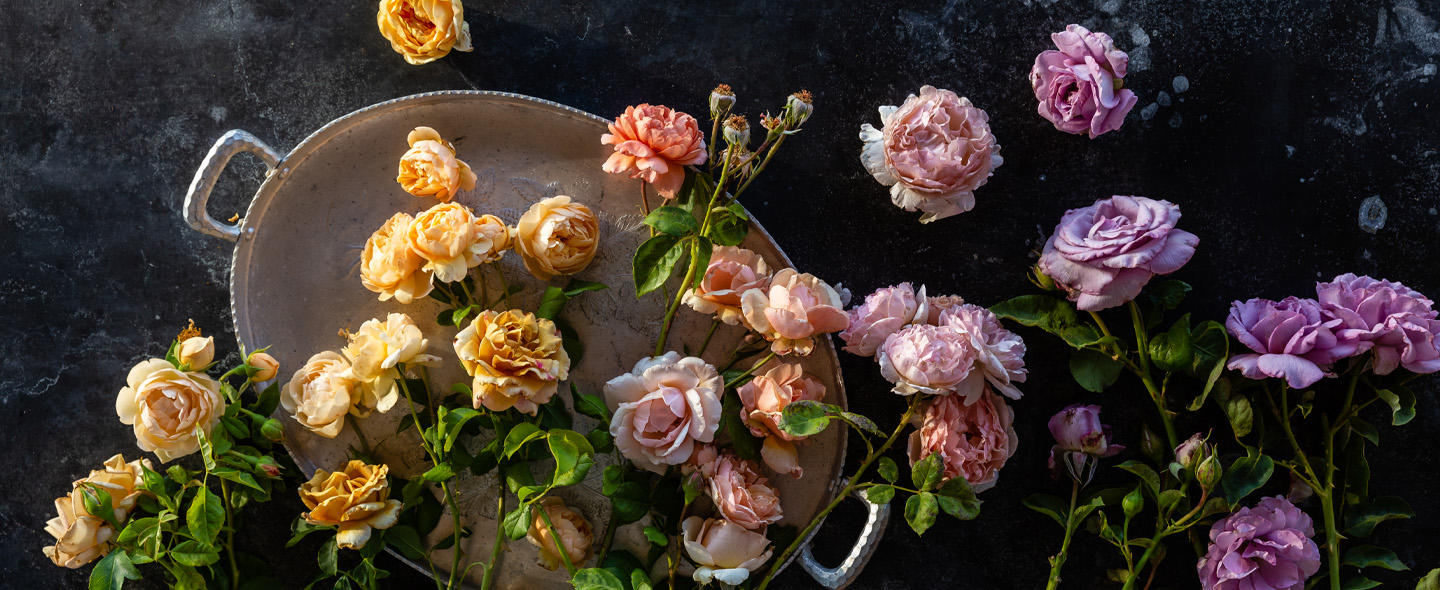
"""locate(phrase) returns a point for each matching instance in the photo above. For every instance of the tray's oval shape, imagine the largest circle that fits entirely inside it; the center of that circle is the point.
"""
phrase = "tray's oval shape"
(295, 282)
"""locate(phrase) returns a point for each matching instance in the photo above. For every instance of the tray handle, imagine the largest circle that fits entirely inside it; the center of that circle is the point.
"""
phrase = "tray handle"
(844, 574)
(196, 199)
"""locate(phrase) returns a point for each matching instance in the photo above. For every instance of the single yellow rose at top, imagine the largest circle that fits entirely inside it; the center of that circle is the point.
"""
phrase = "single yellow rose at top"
(430, 168)
(321, 393)
(570, 526)
(424, 30)
(557, 237)
(389, 266)
(515, 357)
(80, 537)
(452, 240)
(166, 405)
(374, 351)
(355, 499)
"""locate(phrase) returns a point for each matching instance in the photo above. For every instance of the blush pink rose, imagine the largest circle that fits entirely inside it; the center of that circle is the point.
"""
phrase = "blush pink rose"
(742, 495)
(764, 398)
(933, 152)
(973, 441)
(732, 271)
(1000, 353)
(655, 143)
(1102, 255)
(663, 408)
(929, 359)
(934, 306)
(1080, 87)
(796, 308)
(884, 312)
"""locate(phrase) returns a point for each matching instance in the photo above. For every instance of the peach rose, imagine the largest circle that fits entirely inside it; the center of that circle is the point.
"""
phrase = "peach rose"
(725, 551)
(973, 441)
(450, 239)
(430, 168)
(516, 359)
(732, 271)
(374, 351)
(557, 236)
(764, 398)
(266, 367)
(655, 143)
(389, 267)
(662, 408)
(81, 537)
(570, 526)
(739, 491)
(355, 499)
(424, 30)
(796, 308)
(320, 394)
(197, 352)
(166, 405)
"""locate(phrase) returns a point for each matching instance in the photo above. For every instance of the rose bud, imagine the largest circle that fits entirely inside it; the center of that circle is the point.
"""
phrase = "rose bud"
(798, 108)
(737, 131)
(1133, 503)
(266, 367)
(721, 99)
(1079, 436)
(1209, 472)
(1150, 443)
(1191, 452)
(272, 430)
(197, 352)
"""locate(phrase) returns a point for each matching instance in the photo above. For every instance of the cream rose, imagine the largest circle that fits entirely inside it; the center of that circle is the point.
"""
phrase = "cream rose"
(448, 237)
(197, 352)
(725, 551)
(430, 168)
(424, 30)
(662, 408)
(732, 271)
(516, 359)
(374, 351)
(166, 405)
(557, 236)
(355, 499)
(320, 394)
(81, 537)
(796, 308)
(389, 267)
(266, 367)
(570, 526)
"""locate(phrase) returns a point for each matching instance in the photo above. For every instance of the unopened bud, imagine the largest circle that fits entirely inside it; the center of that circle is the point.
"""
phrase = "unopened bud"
(1150, 444)
(1209, 472)
(197, 352)
(737, 131)
(1191, 452)
(721, 99)
(272, 430)
(798, 109)
(1133, 503)
(267, 465)
(266, 367)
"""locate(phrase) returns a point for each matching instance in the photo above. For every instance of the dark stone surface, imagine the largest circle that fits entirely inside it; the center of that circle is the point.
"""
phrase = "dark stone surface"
(1295, 113)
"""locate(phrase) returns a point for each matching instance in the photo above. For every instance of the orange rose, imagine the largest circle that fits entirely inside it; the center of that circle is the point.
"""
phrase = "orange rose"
(355, 499)
(424, 30)
(430, 168)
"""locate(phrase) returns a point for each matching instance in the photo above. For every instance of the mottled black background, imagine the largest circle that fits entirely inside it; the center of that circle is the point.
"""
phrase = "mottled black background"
(1295, 113)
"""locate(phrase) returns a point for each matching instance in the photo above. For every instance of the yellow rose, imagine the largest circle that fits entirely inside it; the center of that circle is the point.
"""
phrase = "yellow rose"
(515, 357)
(557, 237)
(197, 352)
(267, 365)
(430, 168)
(374, 351)
(452, 240)
(166, 405)
(424, 30)
(320, 394)
(389, 267)
(81, 537)
(355, 500)
(570, 526)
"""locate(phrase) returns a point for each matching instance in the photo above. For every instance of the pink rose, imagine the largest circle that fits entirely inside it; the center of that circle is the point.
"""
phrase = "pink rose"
(1001, 353)
(937, 305)
(933, 152)
(764, 398)
(662, 408)
(1105, 253)
(931, 359)
(884, 312)
(655, 144)
(1080, 438)
(723, 550)
(741, 494)
(1399, 322)
(796, 308)
(732, 271)
(1080, 87)
(973, 441)
(1268, 547)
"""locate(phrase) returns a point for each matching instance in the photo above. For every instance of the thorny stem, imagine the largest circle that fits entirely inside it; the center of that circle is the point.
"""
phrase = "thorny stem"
(694, 259)
(455, 514)
(1142, 345)
(1058, 561)
(555, 537)
(645, 204)
(499, 543)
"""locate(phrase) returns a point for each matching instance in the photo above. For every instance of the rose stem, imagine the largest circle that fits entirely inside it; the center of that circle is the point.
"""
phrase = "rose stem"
(1161, 533)
(504, 284)
(706, 344)
(455, 514)
(555, 538)
(364, 444)
(1143, 346)
(1058, 561)
(752, 369)
(694, 259)
(760, 168)
(230, 535)
(489, 577)
(645, 203)
(1328, 499)
(449, 495)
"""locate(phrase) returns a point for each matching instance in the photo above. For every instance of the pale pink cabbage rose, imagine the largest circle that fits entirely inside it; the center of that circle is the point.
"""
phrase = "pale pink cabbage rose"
(1000, 352)
(732, 271)
(937, 305)
(933, 152)
(663, 408)
(723, 550)
(655, 143)
(929, 359)
(1267, 547)
(973, 441)
(740, 493)
(1081, 86)
(883, 313)
(763, 400)
(796, 308)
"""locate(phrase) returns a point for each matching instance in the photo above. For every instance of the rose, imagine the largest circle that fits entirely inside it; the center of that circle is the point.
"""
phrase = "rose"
(1292, 339)
(557, 237)
(884, 312)
(516, 359)
(655, 143)
(662, 408)
(430, 168)
(196, 353)
(1103, 254)
(424, 30)
(167, 405)
(266, 367)
(1079, 437)
(796, 308)
(356, 499)
(937, 305)
(765, 397)
(973, 441)
(1080, 87)
(570, 526)
(320, 394)
(374, 351)
(389, 266)
(80, 537)
(1001, 353)
(1191, 452)
(448, 237)
(740, 493)
(725, 551)
(732, 271)
(933, 152)
(1268, 547)
(1398, 322)
(930, 359)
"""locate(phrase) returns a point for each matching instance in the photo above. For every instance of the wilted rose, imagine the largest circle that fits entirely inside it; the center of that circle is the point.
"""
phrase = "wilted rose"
(557, 236)
(725, 551)
(430, 168)
(516, 359)
(81, 537)
(1105, 253)
(356, 500)
(166, 406)
(732, 271)
(1081, 86)
(389, 266)
(320, 394)
(663, 408)
(424, 30)
(655, 143)
(793, 311)
(1079, 438)
(571, 528)
(973, 441)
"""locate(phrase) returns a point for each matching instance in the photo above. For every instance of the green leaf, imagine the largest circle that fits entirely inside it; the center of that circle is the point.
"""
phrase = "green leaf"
(590, 405)
(1236, 406)
(1212, 350)
(596, 579)
(880, 494)
(570, 341)
(888, 469)
(1168, 498)
(920, 511)
(1360, 583)
(453, 421)
(519, 436)
(554, 416)
(639, 580)
(111, 572)
(1365, 430)
(239, 477)
(1246, 475)
(1401, 401)
(622, 564)
(517, 475)
(656, 536)
(1173, 351)
(727, 228)
(611, 478)
(804, 418)
(517, 522)
(301, 527)
(206, 515)
(1372, 556)
(1168, 293)
(1361, 519)
(439, 473)
(655, 261)
(857, 421)
(1094, 370)
(1146, 474)
(194, 554)
(207, 449)
(926, 474)
(573, 457)
(702, 252)
(601, 440)
(630, 502)
(746, 444)
(551, 303)
(98, 503)
(327, 556)
(1053, 315)
(1357, 474)
(958, 499)
(1048, 505)
(405, 540)
(144, 533)
(672, 220)
(1431, 581)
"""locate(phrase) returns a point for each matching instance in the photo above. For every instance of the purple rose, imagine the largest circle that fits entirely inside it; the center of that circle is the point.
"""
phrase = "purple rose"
(1079, 436)
(1080, 87)
(1267, 547)
(1292, 339)
(1397, 321)
(1103, 254)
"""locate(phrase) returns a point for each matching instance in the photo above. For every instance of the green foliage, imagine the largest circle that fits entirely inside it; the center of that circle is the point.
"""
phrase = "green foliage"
(1173, 351)
(596, 579)
(1246, 475)
(745, 444)
(1371, 556)
(1401, 401)
(920, 511)
(111, 572)
(880, 494)
(1053, 315)
(1094, 370)
(1236, 406)
(1431, 581)
(655, 261)
(1361, 519)
(1049, 505)
(888, 469)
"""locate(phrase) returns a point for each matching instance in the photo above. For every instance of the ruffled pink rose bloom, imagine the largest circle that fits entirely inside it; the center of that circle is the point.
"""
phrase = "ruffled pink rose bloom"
(933, 152)
(1398, 321)
(973, 441)
(796, 308)
(732, 271)
(929, 359)
(1102, 255)
(934, 306)
(663, 408)
(723, 551)
(1268, 547)
(742, 495)
(1291, 339)
(1080, 87)
(763, 400)
(655, 143)
(1080, 437)
(884, 312)
(1000, 352)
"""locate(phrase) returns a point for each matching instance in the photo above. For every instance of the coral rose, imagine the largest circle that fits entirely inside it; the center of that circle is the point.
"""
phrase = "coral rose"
(732, 271)
(1268, 547)
(424, 30)
(1000, 352)
(973, 441)
(741, 494)
(374, 351)
(1398, 322)
(570, 526)
(933, 152)
(389, 266)
(1292, 339)
(557, 236)
(655, 143)
(81, 537)
(1080, 87)
(430, 168)
(196, 352)
(1105, 253)
(516, 359)
(796, 308)
(884, 312)
(320, 394)
(929, 359)
(355, 499)
(764, 398)
(725, 551)
(166, 405)
(450, 239)
(662, 408)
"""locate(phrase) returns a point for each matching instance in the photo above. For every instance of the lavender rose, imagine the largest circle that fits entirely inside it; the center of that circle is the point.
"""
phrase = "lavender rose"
(1081, 86)
(884, 312)
(1268, 547)
(1397, 321)
(1079, 437)
(1292, 339)
(1102, 255)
